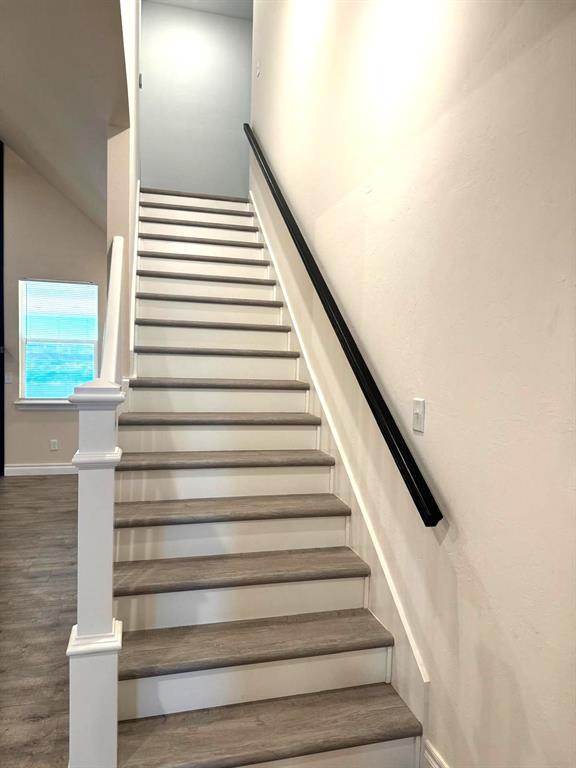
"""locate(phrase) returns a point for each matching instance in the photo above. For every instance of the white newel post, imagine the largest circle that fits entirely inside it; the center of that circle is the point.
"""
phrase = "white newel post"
(96, 639)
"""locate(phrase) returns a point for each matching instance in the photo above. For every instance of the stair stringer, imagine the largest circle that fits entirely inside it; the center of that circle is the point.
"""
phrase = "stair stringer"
(409, 673)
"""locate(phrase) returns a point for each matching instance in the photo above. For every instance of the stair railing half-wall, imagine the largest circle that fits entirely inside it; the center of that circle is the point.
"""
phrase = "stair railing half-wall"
(413, 478)
(96, 639)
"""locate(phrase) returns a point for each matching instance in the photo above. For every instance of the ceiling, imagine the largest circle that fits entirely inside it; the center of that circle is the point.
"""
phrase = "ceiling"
(63, 83)
(240, 9)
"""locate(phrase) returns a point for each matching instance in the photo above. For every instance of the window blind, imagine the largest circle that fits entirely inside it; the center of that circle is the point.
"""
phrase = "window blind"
(59, 337)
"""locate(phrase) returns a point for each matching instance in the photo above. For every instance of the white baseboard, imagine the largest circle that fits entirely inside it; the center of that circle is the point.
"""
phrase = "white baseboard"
(22, 470)
(433, 758)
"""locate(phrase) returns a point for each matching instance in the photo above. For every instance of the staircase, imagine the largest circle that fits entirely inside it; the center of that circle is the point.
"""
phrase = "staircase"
(246, 636)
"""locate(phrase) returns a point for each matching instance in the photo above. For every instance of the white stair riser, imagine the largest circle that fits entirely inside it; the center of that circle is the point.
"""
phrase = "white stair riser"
(152, 485)
(200, 216)
(220, 313)
(164, 694)
(216, 268)
(206, 606)
(181, 400)
(148, 228)
(217, 438)
(204, 287)
(400, 753)
(182, 336)
(197, 539)
(202, 202)
(212, 366)
(149, 243)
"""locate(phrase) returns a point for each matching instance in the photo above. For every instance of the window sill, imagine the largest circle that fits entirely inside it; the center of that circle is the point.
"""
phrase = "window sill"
(31, 404)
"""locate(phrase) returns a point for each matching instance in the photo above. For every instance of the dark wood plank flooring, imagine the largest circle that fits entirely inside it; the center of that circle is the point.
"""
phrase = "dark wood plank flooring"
(37, 610)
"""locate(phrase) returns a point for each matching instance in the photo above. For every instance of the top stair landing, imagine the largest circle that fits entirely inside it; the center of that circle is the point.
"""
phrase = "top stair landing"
(188, 200)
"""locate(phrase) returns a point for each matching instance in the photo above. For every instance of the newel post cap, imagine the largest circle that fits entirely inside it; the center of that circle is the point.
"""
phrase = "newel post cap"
(97, 394)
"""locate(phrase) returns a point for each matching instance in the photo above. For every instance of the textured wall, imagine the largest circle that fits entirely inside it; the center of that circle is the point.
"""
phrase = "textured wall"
(429, 152)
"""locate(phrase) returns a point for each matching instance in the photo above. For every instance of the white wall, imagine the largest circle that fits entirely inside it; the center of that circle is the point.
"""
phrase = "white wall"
(429, 152)
(45, 237)
(196, 95)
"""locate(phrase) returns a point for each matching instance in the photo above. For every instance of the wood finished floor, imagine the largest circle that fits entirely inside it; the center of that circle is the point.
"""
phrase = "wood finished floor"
(37, 610)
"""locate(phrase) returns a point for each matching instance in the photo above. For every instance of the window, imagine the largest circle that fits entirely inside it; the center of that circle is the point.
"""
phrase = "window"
(58, 337)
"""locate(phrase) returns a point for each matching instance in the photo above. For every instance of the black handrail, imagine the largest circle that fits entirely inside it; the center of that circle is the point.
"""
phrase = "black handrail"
(415, 482)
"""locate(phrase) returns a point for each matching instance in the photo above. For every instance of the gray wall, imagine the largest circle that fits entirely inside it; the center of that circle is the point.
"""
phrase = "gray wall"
(196, 95)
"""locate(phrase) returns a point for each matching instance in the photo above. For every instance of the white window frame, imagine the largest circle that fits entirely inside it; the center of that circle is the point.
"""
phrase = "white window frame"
(51, 402)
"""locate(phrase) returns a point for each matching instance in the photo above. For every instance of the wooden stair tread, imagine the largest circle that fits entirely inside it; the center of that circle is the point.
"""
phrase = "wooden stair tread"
(199, 195)
(274, 729)
(197, 209)
(219, 418)
(203, 257)
(202, 224)
(157, 382)
(218, 571)
(272, 328)
(209, 299)
(216, 352)
(129, 514)
(201, 240)
(205, 278)
(149, 460)
(147, 653)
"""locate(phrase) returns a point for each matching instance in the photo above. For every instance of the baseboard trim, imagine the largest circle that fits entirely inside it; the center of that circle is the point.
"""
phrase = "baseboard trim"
(24, 470)
(93, 644)
(433, 758)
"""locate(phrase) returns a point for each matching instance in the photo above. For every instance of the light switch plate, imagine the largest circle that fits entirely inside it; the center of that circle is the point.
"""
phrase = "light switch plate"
(418, 414)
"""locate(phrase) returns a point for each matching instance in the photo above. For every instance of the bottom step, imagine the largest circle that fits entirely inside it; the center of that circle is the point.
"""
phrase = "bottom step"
(277, 730)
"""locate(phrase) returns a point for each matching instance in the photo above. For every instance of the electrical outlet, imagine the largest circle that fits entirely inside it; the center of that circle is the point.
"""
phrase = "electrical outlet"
(53, 445)
(8, 378)
(418, 413)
